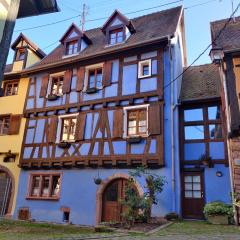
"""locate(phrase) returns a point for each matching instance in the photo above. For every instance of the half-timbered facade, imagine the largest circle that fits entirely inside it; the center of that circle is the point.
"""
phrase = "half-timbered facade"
(99, 105)
(203, 147)
(12, 124)
(225, 53)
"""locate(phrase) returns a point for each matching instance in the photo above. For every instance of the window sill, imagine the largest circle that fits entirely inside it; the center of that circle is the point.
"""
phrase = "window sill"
(72, 55)
(53, 97)
(43, 198)
(145, 76)
(91, 90)
(134, 139)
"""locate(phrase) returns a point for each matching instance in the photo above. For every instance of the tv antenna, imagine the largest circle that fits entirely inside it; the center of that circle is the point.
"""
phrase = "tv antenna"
(83, 15)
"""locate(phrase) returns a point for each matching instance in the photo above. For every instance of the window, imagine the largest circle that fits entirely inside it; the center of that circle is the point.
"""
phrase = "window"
(68, 129)
(136, 122)
(4, 125)
(45, 186)
(145, 68)
(20, 56)
(203, 133)
(95, 78)
(57, 85)
(11, 88)
(116, 36)
(72, 47)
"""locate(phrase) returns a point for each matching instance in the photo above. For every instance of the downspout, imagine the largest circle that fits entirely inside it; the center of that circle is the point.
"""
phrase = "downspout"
(223, 78)
(172, 128)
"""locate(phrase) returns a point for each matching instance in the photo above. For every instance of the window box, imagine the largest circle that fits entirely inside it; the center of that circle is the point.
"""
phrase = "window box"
(136, 139)
(64, 144)
(91, 90)
(52, 97)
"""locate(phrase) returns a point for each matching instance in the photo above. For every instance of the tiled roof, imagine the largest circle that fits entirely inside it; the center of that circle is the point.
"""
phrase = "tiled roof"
(200, 83)
(230, 38)
(149, 27)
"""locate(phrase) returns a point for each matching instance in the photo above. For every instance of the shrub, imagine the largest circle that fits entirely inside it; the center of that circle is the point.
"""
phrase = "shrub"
(217, 209)
(171, 216)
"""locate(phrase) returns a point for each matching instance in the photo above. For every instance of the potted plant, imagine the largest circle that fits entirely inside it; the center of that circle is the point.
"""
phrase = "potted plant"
(134, 139)
(64, 144)
(97, 180)
(52, 97)
(218, 212)
(91, 90)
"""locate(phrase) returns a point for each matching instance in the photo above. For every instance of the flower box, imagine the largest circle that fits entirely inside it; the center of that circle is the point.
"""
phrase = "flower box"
(52, 97)
(64, 145)
(218, 219)
(136, 139)
(91, 90)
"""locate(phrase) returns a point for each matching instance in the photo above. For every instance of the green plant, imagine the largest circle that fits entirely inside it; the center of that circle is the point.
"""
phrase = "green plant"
(139, 207)
(171, 216)
(218, 209)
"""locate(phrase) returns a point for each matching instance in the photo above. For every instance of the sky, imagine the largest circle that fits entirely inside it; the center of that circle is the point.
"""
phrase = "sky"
(197, 15)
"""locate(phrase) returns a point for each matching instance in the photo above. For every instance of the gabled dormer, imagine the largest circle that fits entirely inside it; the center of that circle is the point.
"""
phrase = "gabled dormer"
(117, 28)
(26, 53)
(74, 41)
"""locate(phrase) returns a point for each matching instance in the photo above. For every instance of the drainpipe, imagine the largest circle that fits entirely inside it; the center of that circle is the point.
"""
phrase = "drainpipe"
(223, 78)
(172, 128)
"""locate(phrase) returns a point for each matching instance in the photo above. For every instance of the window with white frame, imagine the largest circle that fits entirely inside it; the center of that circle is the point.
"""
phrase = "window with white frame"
(145, 68)
(136, 121)
(67, 128)
(55, 84)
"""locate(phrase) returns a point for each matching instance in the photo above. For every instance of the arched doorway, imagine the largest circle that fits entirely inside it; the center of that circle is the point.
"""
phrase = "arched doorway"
(6, 186)
(112, 196)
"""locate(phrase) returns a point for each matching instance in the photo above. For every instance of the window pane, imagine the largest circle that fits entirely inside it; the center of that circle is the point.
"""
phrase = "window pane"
(55, 185)
(60, 85)
(132, 131)
(188, 186)
(188, 194)
(196, 186)
(112, 193)
(45, 186)
(196, 179)
(145, 70)
(214, 113)
(35, 186)
(194, 132)
(132, 123)
(215, 131)
(72, 129)
(188, 179)
(217, 150)
(193, 151)
(193, 115)
(196, 194)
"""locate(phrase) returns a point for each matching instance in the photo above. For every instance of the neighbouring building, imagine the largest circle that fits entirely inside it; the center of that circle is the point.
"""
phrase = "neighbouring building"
(226, 54)
(12, 123)
(203, 147)
(99, 105)
(10, 10)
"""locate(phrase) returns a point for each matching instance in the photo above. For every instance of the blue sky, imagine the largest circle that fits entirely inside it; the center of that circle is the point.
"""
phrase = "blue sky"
(197, 20)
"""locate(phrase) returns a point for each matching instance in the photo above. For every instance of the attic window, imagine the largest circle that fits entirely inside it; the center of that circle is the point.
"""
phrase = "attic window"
(72, 47)
(116, 36)
(20, 56)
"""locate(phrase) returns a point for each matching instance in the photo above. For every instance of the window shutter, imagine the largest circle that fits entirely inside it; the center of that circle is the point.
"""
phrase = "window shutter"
(154, 119)
(67, 81)
(52, 131)
(107, 74)
(236, 63)
(80, 78)
(118, 123)
(15, 122)
(80, 128)
(44, 87)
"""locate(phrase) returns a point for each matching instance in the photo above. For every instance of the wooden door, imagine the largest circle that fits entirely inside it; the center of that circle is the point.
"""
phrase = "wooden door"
(193, 195)
(5, 192)
(112, 208)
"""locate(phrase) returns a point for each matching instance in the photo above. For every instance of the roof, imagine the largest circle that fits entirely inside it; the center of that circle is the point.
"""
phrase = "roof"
(149, 28)
(229, 39)
(200, 83)
(38, 51)
(30, 8)
(8, 68)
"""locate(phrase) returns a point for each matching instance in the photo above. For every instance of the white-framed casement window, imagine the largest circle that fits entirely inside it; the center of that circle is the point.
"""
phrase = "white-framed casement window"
(145, 68)
(55, 84)
(136, 121)
(93, 77)
(67, 128)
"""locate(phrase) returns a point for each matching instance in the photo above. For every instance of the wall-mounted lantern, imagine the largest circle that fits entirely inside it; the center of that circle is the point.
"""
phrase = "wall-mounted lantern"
(216, 55)
(219, 174)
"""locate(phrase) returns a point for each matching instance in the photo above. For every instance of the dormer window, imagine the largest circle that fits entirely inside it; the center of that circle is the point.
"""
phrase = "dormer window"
(21, 53)
(116, 36)
(72, 47)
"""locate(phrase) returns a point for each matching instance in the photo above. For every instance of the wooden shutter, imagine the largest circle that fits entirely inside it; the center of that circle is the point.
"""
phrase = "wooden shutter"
(236, 63)
(107, 74)
(67, 81)
(154, 119)
(44, 86)
(52, 131)
(118, 123)
(15, 122)
(80, 128)
(80, 78)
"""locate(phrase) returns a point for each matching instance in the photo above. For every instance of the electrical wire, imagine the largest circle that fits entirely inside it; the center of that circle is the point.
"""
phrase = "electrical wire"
(205, 50)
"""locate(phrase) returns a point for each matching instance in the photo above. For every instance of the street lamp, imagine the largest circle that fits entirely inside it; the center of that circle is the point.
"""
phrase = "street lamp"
(216, 55)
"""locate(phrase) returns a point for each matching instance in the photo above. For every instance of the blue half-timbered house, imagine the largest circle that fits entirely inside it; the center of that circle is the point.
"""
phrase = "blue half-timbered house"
(99, 105)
